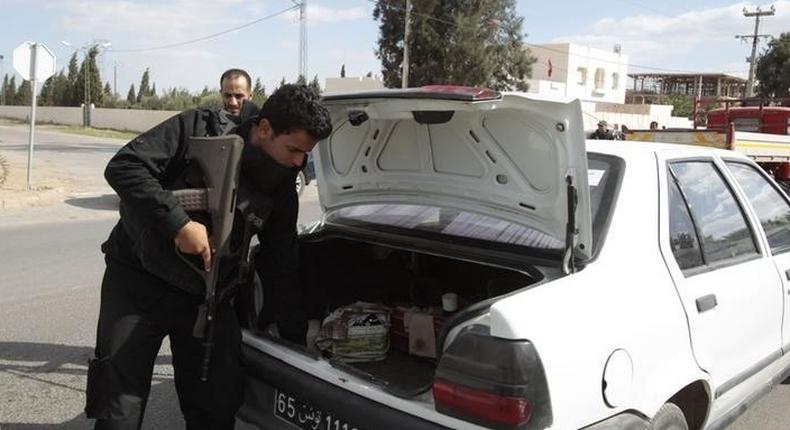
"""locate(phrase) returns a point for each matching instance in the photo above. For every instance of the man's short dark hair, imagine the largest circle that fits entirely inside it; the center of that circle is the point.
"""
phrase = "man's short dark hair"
(296, 107)
(235, 73)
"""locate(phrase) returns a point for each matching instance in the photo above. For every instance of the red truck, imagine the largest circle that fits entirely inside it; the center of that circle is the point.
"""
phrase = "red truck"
(759, 130)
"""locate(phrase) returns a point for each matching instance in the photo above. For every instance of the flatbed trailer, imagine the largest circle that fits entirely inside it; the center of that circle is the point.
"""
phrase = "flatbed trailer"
(770, 151)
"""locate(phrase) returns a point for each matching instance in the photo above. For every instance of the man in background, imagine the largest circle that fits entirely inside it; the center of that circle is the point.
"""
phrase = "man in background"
(235, 86)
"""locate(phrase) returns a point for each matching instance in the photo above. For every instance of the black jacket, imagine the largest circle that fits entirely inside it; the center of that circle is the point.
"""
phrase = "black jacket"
(144, 172)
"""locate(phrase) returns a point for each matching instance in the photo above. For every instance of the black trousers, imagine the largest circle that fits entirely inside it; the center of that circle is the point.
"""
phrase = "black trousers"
(137, 312)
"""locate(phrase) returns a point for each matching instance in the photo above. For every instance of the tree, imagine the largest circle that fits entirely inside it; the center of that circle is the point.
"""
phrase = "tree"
(93, 79)
(10, 91)
(145, 89)
(108, 95)
(23, 96)
(773, 68)
(682, 105)
(131, 97)
(315, 86)
(343, 71)
(5, 90)
(466, 42)
(153, 90)
(72, 96)
(301, 80)
(282, 82)
(258, 92)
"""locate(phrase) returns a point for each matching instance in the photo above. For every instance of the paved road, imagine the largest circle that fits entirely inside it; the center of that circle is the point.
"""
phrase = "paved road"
(50, 270)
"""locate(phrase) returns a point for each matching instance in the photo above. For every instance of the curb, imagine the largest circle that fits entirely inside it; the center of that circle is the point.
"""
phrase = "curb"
(33, 199)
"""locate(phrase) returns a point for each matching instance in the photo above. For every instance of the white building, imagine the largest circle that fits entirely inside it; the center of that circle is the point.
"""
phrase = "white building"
(577, 71)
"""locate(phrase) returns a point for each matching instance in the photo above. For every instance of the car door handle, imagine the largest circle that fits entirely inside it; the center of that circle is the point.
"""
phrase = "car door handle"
(706, 303)
(787, 274)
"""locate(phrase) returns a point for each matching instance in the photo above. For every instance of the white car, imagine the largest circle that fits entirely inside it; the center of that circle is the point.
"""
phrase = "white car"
(600, 284)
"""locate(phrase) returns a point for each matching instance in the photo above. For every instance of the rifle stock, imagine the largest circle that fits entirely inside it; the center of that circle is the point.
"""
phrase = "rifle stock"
(219, 159)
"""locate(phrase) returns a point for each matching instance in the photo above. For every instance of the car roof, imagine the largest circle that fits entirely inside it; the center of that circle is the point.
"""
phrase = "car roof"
(636, 149)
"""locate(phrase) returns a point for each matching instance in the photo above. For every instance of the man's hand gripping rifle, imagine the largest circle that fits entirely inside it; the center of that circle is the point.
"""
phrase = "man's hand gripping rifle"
(219, 158)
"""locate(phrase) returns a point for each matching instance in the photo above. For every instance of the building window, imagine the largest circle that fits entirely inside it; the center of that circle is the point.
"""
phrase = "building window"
(599, 78)
(581, 72)
(615, 80)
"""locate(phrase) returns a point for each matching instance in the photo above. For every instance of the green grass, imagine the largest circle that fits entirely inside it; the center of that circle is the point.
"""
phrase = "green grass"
(76, 129)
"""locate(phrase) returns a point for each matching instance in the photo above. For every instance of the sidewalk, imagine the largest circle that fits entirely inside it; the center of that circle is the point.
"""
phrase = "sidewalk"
(64, 166)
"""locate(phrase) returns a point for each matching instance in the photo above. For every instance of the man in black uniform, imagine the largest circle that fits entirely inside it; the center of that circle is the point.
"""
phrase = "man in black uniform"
(148, 292)
(235, 87)
(602, 132)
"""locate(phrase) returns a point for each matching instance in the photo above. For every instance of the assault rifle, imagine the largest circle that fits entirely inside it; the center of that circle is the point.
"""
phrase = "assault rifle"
(219, 159)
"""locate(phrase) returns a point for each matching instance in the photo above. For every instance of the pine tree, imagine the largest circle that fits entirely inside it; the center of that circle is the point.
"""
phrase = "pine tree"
(108, 95)
(145, 89)
(315, 86)
(10, 91)
(153, 90)
(93, 79)
(258, 92)
(4, 89)
(46, 92)
(467, 42)
(73, 97)
(343, 71)
(301, 80)
(23, 96)
(60, 91)
(131, 97)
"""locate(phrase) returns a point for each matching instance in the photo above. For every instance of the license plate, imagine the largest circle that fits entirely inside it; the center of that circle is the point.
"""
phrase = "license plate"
(299, 413)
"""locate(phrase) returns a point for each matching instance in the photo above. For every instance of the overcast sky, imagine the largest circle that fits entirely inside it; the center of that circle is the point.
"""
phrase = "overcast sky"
(678, 35)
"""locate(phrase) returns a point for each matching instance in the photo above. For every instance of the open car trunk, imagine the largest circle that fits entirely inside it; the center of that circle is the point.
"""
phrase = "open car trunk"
(337, 272)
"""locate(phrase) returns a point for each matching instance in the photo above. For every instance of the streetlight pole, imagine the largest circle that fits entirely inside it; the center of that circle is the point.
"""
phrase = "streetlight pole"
(2, 72)
(88, 48)
(406, 31)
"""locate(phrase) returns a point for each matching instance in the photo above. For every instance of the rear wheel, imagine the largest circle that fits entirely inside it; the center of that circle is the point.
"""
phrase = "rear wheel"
(669, 417)
(300, 183)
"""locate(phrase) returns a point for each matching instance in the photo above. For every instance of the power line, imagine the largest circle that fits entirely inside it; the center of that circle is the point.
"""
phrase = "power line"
(210, 36)
(603, 60)
(755, 38)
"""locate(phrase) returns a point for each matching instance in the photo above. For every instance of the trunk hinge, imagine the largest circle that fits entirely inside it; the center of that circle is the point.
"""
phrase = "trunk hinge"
(571, 230)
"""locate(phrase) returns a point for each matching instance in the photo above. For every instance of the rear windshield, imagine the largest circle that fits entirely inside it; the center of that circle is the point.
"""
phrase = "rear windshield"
(604, 173)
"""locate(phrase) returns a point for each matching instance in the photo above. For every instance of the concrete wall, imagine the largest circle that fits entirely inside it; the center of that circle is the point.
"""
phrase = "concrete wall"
(119, 119)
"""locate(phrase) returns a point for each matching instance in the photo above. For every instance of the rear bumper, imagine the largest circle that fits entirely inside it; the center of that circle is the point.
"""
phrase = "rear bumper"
(265, 374)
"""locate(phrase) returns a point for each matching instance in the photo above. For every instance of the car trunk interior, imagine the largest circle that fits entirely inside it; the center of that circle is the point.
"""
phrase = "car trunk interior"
(343, 272)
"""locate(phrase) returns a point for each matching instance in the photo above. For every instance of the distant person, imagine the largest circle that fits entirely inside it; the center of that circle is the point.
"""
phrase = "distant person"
(654, 125)
(618, 132)
(602, 133)
(236, 90)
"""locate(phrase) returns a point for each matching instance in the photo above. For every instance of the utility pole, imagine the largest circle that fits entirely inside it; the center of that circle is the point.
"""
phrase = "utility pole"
(302, 37)
(2, 72)
(406, 32)
(755, 38)
(115, 80)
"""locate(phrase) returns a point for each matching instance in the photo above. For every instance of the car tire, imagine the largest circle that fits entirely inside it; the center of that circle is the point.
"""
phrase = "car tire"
(669, 417)
(301, 181)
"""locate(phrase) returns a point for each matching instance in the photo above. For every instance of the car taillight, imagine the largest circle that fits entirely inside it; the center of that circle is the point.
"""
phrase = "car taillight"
(492, 408)
(495, 382)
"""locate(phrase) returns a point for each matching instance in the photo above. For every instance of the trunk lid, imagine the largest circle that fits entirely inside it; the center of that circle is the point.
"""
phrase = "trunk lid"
(507, 156)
